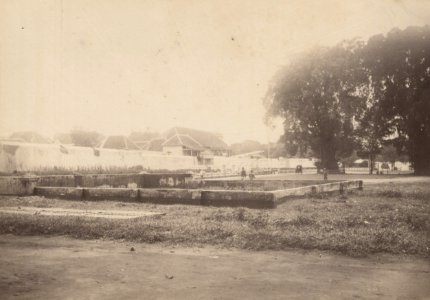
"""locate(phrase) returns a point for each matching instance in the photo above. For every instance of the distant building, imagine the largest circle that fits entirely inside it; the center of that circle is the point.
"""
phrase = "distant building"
(155, 144)
(252, 155)
(63, 138)
(118, 142)
(191, 142)
(29, 137)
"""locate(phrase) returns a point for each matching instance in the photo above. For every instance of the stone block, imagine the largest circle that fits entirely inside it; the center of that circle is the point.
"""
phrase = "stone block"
(238, 198)
(170, 196)
(120, 194)
(59, 192)
(20, 186)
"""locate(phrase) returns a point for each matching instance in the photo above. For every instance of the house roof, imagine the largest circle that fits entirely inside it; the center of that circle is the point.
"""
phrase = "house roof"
(31, 137)
(204, 139)
(153, 145)
(118, 142)
(183, 140)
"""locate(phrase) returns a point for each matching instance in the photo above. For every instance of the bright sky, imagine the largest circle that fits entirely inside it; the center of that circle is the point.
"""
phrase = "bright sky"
(117, 66)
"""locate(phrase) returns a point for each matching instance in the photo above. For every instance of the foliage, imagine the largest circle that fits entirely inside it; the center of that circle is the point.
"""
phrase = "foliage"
(390, 154)
(399, 66)
(359, 96)
(318, 98)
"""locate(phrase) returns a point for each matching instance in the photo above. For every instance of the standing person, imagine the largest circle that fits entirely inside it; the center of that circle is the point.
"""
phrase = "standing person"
(325, 174)
(243, 173)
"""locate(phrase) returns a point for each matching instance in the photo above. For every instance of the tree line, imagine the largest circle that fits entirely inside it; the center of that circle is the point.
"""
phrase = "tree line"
(358, 96)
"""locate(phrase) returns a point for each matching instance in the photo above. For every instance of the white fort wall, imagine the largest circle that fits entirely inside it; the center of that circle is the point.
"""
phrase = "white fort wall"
(235, 164)
(26, 157)
(53, 158)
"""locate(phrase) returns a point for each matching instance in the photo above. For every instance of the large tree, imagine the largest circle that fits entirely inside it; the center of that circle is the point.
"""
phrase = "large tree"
(318, 97)
(399, 67)
(359, 95)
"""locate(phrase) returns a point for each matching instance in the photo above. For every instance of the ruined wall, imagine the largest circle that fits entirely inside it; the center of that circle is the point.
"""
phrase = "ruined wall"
(46, 158)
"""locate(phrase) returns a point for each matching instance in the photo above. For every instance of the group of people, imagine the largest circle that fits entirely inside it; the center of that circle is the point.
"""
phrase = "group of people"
(243, 174)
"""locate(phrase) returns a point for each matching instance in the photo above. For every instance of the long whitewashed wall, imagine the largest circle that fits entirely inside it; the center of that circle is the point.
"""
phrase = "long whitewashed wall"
(26, 157)
(237, 163)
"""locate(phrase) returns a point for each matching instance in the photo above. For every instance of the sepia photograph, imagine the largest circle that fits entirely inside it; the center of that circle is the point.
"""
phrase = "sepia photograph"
(214, 149)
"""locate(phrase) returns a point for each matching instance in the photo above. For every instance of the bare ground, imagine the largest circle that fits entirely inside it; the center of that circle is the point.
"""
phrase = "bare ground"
(65, 212)
(62, 268)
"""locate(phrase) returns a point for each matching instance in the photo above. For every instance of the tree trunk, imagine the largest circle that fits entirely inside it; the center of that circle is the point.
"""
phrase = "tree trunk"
(371, 163)
(421, 165)
(328, 157)
(420, 153)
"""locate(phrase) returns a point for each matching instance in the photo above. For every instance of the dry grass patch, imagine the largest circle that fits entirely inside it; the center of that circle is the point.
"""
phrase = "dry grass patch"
(384, 218)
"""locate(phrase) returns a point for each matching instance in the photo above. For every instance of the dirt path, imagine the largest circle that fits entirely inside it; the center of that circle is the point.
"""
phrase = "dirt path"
(367, 179)
(62, 268)
(108, 214)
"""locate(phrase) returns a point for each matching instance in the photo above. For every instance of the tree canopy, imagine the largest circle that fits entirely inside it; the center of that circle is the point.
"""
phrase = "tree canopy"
(399, 68)
(357, 95)
(318, 98)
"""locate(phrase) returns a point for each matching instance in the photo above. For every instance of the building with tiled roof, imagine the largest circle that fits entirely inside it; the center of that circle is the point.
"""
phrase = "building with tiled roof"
(30, 137)
(192, 142)
(155, 144)
(118, 142)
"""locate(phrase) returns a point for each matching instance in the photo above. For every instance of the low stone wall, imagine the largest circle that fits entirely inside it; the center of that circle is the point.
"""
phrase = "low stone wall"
(71, 193)
(238, 198)
(163, 196)
(170, 196)
(131, 195)
(339, 186)
(83, 187)
(118, 180)
(17, 185)
(254, 185)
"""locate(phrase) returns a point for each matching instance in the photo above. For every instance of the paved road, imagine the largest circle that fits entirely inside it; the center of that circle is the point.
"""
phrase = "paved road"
(62, 268)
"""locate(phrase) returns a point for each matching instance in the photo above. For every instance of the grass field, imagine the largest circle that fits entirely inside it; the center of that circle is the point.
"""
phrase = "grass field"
(390, 218)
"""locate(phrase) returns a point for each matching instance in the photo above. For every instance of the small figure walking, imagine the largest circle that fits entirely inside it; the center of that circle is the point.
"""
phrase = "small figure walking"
(325, 174)
(243, 173)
